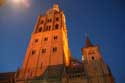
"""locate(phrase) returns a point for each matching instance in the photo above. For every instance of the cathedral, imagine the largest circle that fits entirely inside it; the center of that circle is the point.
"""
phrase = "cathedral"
(48, 58)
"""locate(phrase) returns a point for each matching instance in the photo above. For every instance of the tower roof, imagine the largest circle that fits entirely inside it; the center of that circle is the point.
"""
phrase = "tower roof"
(56, 7)
(88, 42)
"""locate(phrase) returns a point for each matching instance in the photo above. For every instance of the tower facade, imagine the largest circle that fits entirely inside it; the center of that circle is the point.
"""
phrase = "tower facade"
(96, 69)
(48, 58)
(48, 45)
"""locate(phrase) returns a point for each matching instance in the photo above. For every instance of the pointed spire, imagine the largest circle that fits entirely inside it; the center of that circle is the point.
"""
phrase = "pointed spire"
(88, 42)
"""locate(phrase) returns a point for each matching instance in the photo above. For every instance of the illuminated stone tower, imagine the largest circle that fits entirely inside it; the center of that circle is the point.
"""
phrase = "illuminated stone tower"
(48, 45)
(95, 68)
(48, 58)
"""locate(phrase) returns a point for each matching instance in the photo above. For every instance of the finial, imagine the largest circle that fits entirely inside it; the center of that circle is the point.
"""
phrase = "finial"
(87, 41)
(56, 7)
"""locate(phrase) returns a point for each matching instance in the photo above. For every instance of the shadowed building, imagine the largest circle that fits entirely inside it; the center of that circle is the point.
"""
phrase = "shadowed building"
(48, 58)
(7, 77)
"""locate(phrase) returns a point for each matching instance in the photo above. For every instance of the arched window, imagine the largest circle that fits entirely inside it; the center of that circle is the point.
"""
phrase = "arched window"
(40, 29)
(42, 22)
(54, 49)
(57, 18)
(93, 58)
(36, 40)
(44, 50)
(56, 26)
(49, 20)
(46, 28)
(33, 52)
(45, 39)
(55, 37)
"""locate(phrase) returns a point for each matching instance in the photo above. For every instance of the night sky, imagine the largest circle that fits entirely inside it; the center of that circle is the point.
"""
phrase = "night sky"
(102, 20)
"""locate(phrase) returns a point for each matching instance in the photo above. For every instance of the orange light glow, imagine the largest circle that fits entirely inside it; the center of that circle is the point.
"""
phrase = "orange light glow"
(21, 2)
(66, 50)
(17, 1)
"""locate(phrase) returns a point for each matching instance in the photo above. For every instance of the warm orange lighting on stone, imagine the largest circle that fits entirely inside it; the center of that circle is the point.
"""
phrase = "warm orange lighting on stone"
(48, 56)
(48, 45)
(66, 49)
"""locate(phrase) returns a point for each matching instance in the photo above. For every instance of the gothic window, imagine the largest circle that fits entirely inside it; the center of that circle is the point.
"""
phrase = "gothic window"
(42, 22)
(49, 27)
(45, 39)
(55, 37)
(57, 18)
(40, 29)
(36, 40)
(56, 26)
(93, 58)
(49, 20)
(44, 50)
(33, 52)
(54, 49)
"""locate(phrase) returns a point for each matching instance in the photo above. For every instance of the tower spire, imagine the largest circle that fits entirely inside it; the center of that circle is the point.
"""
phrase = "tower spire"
(88, 42)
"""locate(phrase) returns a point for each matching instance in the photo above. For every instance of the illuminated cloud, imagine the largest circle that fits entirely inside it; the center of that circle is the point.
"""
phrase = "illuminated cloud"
(26, 3)
(19, 3)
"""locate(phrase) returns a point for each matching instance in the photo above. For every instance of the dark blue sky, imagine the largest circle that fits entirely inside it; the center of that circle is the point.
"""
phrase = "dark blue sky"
(103, 20)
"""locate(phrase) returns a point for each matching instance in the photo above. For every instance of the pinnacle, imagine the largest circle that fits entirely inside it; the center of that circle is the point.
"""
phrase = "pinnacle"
(88, 42)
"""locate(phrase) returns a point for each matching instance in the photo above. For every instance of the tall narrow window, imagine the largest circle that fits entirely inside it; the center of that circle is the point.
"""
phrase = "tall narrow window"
(40, 29)
(46, 28)
(49, 28)
(93, 58)
(55, 37)
(57, 19)
(44, 50)
(54, 49)
(47, 20)
(56, 26)
(50, 20)
(45, 39)
(36, 40)
(42, 22)
(33, 52)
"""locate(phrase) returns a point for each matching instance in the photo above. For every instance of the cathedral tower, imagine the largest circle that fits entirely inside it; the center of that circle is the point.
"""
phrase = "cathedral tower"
(96, 69)
(48, 45)
(48, 59)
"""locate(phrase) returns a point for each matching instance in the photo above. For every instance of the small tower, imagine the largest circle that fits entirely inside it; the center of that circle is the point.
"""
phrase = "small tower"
(48, 45)
(96, 69)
